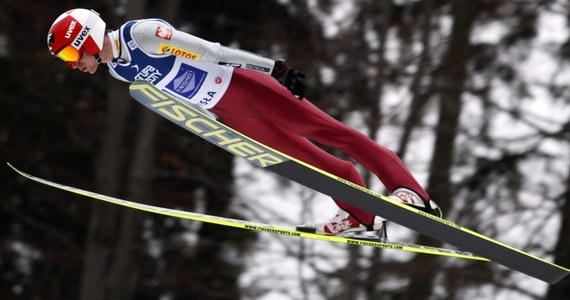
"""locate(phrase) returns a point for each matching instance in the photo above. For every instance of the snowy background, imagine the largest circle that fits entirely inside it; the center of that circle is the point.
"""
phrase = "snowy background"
(268, 200)
(367, 62)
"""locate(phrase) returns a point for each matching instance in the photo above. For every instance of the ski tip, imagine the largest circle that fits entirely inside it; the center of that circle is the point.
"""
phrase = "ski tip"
(12, 167)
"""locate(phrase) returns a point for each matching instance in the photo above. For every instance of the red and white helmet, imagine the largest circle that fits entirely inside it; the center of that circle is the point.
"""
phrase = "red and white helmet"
(74, 32)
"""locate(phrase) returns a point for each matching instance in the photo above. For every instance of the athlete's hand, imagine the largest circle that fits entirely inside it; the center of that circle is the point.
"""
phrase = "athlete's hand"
(289, 78)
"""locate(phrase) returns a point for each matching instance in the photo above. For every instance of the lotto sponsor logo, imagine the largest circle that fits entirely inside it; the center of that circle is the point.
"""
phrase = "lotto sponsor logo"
(173, 50)
(163, 32)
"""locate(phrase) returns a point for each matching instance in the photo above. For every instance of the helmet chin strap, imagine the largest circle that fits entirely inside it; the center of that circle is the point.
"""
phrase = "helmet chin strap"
(100, 61)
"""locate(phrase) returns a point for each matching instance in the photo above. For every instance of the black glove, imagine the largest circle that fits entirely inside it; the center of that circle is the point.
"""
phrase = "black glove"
(289, 78)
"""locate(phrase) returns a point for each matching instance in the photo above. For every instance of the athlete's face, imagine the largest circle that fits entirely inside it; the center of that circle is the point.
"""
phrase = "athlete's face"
(86, 63)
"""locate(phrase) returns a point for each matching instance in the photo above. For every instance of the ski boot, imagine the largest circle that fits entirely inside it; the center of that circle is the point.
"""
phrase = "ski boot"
(344, 223)
(410, 198)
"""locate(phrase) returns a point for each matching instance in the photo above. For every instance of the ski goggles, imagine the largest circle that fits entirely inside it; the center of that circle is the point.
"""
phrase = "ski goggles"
(70, 55)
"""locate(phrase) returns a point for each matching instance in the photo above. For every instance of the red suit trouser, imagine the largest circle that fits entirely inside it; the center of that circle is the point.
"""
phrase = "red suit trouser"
(256, 105)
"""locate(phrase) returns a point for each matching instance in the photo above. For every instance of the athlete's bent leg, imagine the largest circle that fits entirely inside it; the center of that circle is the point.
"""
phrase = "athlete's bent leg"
(255, 94)
(296, 146)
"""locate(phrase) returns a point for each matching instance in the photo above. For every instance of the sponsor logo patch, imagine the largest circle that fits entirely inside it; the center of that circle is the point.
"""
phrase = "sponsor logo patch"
(188, 81)
(233, 65)
(81, 38)
(70, 29)
(192, 120)
(173, 50)
(149, 73)
(117, 45)
(132, 45)
(257, 68)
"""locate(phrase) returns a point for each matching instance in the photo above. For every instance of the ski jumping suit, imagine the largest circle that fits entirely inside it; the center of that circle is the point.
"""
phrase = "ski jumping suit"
(237, 87)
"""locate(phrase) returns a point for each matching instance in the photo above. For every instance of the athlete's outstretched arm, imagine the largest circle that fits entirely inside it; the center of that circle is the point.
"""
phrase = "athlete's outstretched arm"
(159, 37)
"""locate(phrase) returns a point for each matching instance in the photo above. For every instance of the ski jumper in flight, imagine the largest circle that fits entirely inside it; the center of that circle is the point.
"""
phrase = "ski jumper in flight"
(257, 96)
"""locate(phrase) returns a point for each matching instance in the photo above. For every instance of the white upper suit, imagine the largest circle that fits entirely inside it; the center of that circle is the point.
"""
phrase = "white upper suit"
(177, 62)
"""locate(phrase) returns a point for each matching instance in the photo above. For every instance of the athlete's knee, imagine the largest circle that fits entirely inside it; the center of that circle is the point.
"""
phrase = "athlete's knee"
(348, 171)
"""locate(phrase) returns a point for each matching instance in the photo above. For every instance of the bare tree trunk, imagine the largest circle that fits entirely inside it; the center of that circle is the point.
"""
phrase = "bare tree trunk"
(450, 84)
(110, 274)
(124, 273)
(102, 225)
(561, 290)
(130, 247)
(420, 93)
(383, 9)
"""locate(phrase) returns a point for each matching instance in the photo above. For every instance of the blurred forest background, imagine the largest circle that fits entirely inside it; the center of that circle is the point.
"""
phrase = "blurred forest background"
(472, 94)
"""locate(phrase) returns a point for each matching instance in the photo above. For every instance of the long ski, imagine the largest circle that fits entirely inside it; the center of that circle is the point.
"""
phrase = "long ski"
(191, 119)
(274, 229)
